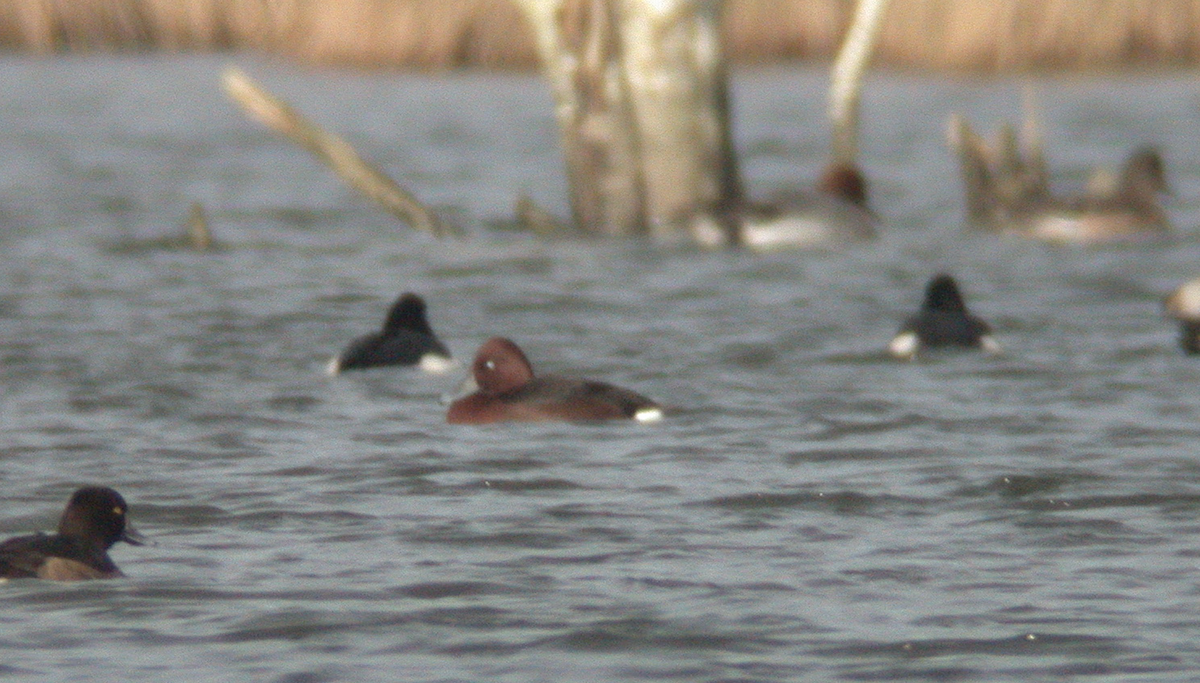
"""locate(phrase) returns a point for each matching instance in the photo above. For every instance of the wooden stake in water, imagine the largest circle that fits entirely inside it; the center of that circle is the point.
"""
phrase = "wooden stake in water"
(330, 149)
(581, 60)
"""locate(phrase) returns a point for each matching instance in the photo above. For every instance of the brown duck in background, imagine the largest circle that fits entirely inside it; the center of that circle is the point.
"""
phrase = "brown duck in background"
(835, 212)
(1007, 190)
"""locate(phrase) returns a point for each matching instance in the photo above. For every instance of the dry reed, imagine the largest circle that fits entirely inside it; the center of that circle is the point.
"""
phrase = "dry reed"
(970, 35)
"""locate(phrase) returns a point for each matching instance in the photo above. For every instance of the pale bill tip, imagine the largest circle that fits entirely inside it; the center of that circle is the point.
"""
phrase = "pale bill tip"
(334, 367)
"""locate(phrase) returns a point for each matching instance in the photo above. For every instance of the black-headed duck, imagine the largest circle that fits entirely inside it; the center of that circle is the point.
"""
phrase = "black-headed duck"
(943, 321)
(405, 340)
(94, 520)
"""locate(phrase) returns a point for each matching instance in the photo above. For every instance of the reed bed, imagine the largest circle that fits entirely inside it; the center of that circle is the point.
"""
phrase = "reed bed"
(960, 35)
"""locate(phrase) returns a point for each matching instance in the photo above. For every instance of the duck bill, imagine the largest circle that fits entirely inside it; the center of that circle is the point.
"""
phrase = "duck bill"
(133, 536)
(468, 387)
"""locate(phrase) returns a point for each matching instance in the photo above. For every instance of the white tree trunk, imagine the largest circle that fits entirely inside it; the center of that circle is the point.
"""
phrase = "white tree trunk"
(675, 66)
(845, 79)
(642, 104)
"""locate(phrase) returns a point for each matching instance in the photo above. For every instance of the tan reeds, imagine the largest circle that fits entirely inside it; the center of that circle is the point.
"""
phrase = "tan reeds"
(331, 149)
(1020, 35)
(974, 35)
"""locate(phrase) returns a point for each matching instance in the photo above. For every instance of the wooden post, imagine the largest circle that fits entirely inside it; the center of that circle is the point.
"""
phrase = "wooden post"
(675, 66)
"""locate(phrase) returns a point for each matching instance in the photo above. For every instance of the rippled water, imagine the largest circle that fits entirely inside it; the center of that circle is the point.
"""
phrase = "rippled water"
(812, 511)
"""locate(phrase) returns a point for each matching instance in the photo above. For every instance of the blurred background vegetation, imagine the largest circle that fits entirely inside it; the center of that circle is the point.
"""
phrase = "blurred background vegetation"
(976, 36)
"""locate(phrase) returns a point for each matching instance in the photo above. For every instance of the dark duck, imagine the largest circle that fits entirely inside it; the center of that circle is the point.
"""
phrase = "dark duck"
(94, 520)
(942, 322)
(406, 340)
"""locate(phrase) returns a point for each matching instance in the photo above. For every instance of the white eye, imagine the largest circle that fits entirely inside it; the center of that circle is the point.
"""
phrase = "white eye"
(490, 365)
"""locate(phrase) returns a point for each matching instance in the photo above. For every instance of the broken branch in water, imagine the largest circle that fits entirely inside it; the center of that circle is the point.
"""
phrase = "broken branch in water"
(198, 233)
(331, 149)
(532, 216)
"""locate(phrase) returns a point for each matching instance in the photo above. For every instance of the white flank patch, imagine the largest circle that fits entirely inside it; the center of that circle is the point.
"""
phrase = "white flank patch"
(989, 344)
(904, 345)
(652, 414)
(1184, 302)
(436, 365)
(1060, 229)
(785, 232)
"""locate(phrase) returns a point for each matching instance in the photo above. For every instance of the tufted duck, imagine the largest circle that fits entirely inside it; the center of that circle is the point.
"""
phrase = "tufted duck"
(93, 521)
(406, 339)
(942, 321)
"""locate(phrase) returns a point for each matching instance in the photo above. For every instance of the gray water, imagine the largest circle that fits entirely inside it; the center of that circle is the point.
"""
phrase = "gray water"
(811, 511)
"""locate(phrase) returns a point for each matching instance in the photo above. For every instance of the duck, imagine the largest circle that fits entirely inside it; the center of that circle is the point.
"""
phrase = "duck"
(93, 521)
(1130, 210)
(943, 321)
(505, 389)
(1183, 305)
(405, 340)
(835, 213)
(1007, 191)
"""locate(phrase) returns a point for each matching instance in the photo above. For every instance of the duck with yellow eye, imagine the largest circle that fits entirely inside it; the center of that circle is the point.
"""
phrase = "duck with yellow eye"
(93, 521)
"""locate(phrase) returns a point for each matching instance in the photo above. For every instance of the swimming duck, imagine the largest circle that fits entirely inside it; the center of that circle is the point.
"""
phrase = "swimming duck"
(94, 520)
(1007, 191)
(943, 321)
(405, 340)
(507, 390)
(836, 213)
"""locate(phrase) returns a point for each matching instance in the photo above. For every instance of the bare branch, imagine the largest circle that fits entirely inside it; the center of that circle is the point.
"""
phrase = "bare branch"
(330, 149)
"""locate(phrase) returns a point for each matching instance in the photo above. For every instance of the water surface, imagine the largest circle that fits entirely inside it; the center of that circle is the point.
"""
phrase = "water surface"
(813, 510)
